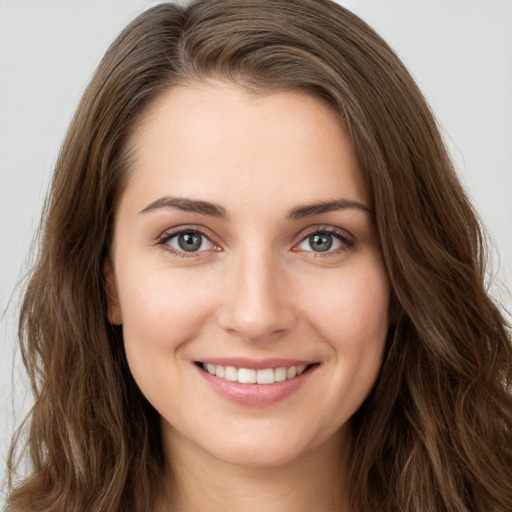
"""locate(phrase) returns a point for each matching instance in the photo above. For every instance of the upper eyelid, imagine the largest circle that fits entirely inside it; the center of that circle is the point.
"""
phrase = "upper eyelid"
(171, 232)
(324, 228)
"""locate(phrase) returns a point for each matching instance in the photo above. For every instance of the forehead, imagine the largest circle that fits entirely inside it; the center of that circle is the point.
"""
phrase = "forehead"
(220, 142)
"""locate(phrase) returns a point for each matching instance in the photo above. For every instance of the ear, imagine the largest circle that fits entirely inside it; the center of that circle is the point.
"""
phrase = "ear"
(113, 308)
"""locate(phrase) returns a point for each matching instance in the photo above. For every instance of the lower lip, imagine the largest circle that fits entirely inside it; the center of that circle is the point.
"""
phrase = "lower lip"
(256, 394)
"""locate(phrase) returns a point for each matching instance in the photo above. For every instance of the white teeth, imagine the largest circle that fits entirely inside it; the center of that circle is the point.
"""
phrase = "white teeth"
(280, 374)
(291, 372)
(250, 376)
(246, 376)
(231, 374)
(265, 376)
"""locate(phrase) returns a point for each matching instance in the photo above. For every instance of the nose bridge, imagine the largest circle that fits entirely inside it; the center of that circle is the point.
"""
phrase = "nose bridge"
(257, 306)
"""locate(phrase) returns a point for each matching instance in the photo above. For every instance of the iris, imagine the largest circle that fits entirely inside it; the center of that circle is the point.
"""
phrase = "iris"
(320, 242)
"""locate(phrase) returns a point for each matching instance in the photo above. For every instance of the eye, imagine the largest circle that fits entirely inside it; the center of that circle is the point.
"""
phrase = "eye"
(187, 241)
(325, 241)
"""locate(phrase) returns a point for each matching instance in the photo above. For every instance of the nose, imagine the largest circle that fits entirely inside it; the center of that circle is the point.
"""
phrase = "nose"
(258, 303)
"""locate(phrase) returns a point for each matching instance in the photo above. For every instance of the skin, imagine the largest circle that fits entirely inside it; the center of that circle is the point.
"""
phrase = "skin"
(256, 289)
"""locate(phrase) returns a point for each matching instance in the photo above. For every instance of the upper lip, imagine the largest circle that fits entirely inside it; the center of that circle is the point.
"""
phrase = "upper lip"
(255, 364)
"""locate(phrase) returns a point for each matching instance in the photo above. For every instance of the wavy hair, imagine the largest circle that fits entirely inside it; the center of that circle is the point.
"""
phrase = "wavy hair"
(435, 434)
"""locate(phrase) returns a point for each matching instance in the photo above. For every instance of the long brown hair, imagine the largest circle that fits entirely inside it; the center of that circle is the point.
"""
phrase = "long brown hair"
(435, 434)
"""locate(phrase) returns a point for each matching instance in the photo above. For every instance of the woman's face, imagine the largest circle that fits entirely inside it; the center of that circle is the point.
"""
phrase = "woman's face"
(244, 246)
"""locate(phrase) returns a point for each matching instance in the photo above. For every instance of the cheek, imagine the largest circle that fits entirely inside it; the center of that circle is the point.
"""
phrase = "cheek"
(350, 314)
(351, 309)
(162, 309)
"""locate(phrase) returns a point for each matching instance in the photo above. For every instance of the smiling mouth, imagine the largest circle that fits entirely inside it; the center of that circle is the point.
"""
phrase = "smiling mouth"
(252, 376)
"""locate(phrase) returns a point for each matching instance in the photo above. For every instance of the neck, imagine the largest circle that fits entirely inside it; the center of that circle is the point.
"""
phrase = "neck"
(199, 481)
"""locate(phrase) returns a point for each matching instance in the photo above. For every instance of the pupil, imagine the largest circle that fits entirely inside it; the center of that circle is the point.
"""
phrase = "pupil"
(189, 241)
(320, 243)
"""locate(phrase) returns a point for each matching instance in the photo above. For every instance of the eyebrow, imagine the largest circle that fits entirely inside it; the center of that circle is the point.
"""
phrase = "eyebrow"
(215, 210)
(187, 205)
(310, 210)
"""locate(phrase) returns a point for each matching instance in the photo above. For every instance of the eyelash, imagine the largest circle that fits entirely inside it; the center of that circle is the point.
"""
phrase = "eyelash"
(169, 235)
(346, 241)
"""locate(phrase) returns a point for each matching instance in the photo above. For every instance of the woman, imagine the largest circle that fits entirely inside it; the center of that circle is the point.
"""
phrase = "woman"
(260, 283)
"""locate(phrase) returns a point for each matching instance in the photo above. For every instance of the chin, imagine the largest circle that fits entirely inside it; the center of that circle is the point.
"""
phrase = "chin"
(266, 456)
(275, 449)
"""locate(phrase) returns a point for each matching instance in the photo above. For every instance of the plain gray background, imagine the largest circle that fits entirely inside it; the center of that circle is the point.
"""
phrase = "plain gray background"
(460, 52)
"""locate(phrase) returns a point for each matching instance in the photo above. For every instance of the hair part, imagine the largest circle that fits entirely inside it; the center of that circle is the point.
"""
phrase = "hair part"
(435, 434)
